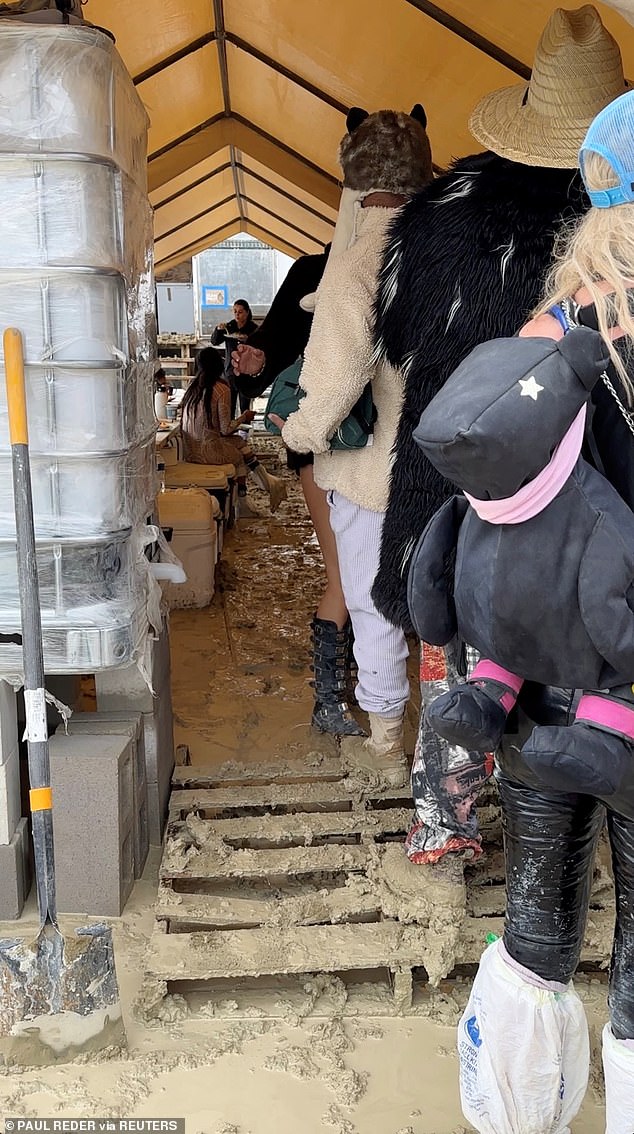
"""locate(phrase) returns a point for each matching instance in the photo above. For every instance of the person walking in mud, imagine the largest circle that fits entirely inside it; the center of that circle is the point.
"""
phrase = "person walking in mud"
(278, 343)
(385, 158)
(484, 232)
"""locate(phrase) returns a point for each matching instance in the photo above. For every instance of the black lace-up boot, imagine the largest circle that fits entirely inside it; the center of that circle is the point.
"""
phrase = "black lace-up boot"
(330, 655)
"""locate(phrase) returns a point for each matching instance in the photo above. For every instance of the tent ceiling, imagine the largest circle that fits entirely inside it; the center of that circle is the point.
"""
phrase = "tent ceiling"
(247, 98)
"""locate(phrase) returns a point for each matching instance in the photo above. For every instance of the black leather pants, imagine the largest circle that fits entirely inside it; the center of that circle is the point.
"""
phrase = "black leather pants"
(549, 841)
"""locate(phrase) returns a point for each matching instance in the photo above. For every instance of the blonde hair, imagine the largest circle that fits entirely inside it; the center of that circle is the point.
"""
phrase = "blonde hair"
(599, 248)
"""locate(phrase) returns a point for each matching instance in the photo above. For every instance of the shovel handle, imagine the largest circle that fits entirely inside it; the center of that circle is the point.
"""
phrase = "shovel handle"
(16, 387)
(32, 649)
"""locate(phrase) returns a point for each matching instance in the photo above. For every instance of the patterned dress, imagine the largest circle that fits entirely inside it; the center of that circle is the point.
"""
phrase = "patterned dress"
(213, 442)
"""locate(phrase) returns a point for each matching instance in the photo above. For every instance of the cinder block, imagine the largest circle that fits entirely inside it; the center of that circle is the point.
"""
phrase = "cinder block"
(142, 835)
(159, 763)
(122, 723)
(10, 800)
(92, 782)
(8, 722)
(15, 873)
(158, 728)
(125, 688)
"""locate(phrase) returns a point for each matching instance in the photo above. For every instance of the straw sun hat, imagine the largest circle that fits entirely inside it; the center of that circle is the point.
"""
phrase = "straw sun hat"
(576, 72)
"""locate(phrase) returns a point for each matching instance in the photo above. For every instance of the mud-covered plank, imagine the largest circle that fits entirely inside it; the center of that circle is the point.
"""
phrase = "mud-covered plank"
(474, 932)
(249, 863)
(212, 911)
(292, 797)
(300, 949)
(486, 901)
(304, 827)
(279, 772)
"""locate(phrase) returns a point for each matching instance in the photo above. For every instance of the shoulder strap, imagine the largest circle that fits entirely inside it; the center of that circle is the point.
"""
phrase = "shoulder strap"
(560, 315)
(568, 314)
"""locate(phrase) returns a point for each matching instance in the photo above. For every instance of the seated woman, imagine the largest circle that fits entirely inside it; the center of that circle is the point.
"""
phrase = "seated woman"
(209, 434)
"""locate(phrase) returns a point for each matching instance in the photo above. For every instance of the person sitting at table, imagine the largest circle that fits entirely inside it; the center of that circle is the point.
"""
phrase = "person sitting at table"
(161, 383)
(210, 435)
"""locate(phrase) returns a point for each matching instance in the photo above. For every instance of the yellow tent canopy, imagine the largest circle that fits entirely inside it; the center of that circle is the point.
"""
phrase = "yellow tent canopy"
(247, 98)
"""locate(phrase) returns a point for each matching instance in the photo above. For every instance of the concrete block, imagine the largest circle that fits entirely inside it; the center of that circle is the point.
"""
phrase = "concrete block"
(159, 741)
(125, 688)
(122, 723)
(159, 766)
(8, 722)
(117, 721)
(92, 782)
(10, 799)
(157, 802)
(142, 835)
(15, 872)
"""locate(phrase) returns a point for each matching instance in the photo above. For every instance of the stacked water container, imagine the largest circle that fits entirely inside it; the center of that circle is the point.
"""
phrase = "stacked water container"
(76, 279)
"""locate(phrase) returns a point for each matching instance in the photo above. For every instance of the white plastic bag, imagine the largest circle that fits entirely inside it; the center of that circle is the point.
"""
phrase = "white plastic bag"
(618, 1068)
(524, 1051)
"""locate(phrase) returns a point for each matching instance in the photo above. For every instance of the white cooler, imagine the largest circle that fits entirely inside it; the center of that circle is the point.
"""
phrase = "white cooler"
(189, 512)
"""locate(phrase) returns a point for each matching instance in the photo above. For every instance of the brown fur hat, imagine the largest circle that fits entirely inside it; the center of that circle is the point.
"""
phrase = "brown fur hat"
(387, 150)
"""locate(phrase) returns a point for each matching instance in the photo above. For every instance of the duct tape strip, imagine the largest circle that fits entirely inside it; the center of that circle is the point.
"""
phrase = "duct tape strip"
(41, 799)
(36, 727)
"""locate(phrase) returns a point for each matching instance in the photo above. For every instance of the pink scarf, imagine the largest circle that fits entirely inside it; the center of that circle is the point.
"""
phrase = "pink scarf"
(533, 497)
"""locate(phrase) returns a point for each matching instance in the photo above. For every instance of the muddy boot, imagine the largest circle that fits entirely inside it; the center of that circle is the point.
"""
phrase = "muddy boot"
(274, 485)
(244, 509)
(382, 752)
(331, 712)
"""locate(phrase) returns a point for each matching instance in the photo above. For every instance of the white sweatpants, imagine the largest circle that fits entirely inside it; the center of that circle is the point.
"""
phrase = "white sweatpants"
(380, 649)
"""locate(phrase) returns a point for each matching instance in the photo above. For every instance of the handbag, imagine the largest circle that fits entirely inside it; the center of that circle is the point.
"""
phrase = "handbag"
(354, 432)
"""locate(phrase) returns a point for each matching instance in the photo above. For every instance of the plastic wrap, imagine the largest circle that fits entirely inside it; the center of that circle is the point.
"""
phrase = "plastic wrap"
(76, 278)
(66, 315)
(72, 574)
(77, 315)
(77, 409)
(550, 842)
(79, 212)
(65, 90)
(99, 601)
(78, 496)
(141, 289)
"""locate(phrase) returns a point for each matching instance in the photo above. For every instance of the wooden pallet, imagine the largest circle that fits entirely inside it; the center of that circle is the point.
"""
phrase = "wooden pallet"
(272, 870)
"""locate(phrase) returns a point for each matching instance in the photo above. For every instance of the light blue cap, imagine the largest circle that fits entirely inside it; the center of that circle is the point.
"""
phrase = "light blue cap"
(611, 135)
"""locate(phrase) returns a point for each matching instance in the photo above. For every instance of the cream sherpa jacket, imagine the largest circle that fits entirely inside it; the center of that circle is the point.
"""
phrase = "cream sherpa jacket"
(338, 363)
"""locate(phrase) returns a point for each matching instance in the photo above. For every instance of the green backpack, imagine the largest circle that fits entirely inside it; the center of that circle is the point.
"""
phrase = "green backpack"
(286, 394)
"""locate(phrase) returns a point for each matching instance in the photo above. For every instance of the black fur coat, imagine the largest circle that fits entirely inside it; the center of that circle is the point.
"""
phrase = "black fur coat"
(465, 262)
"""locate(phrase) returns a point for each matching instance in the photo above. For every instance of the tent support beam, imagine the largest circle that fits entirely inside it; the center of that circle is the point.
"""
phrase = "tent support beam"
(463, 31)
(274, 241)
(193, 185)
(242, 168)
(282, 220)
(219, 133)
(292, 76)
(285, 194)
(190, 49)
(198, 216)
(175, 258)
